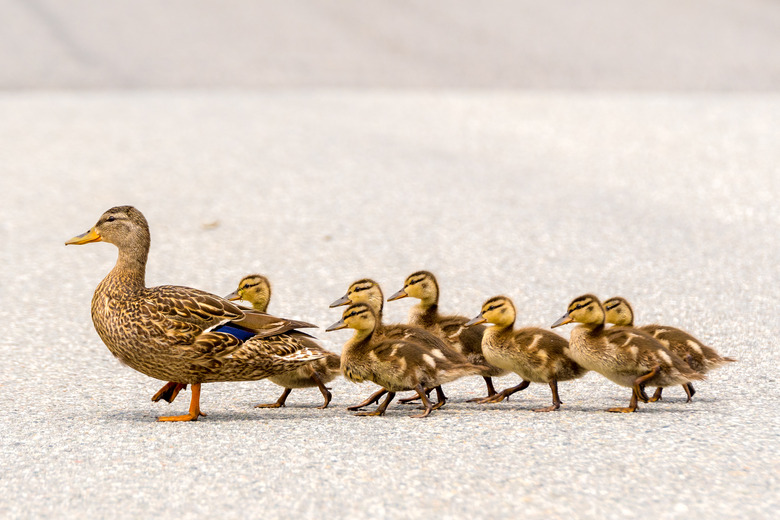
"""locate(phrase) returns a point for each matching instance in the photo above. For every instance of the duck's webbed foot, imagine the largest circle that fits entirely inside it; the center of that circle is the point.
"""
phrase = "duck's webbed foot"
(169, 391)
(194, 412)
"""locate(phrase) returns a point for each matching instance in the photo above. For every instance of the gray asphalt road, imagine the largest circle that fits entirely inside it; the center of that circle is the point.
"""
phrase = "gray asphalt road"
(602, 44)
(669, 200)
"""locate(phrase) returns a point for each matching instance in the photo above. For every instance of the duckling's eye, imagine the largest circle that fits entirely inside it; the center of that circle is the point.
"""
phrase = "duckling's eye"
(246, 286)
(111, 219)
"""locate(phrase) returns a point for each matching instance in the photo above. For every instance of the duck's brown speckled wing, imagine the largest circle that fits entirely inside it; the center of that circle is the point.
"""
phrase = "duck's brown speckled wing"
(184, 318)
(185, 304)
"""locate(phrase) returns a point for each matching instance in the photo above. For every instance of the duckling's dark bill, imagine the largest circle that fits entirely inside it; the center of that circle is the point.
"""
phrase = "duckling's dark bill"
(84, 238)
(563, 320)
(397, 296)
(336, 326)
(233, 296)
(475, 321)
(344, 300)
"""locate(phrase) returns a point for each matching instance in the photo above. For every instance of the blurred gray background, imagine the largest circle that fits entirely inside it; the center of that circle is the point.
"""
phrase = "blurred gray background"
(529, 44)
(539, 149)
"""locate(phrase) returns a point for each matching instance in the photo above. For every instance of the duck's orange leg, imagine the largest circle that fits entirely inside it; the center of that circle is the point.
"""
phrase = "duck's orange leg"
(194, 408)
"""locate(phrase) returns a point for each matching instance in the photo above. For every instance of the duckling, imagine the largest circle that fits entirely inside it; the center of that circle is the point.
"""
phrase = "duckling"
(394, 364)
(536, 355)
(466, 340)
(368, 291)
(256, 289)
(179, 334)
(699, 356)
(624, 355)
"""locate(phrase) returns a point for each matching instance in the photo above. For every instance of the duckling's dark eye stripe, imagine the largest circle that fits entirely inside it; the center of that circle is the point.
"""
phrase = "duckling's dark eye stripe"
(610, 307)
(412, 282)
(361, 288)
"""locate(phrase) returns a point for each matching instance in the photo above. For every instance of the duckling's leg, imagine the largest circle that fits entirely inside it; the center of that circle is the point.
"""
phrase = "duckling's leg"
(504, 394)
(194, 408)
(440, 398)
(656, 395)
(556, 400)
(382, 408)
(407, 400)
(490, 389)
(689, 390)
(373, 398)
(169, 391)
(639, 383)
(631, 405)
(279, 402)
(426, 403)
(325, 392)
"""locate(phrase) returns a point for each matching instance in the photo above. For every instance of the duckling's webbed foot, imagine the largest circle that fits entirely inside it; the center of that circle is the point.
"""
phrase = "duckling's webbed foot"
(632, 405)
(323, 389)
(373, 398)
(656, 395)
(639, 383)
(689, 391)
(490, 389)
(426, 403)
(441, 399)
(505, 393)
(279, 402)
(169, 391)
(555, 399)
(382, 408)
(410, 400)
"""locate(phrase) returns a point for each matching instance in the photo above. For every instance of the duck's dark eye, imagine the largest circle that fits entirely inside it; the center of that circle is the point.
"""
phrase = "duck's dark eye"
(246, 286)
(110, 219)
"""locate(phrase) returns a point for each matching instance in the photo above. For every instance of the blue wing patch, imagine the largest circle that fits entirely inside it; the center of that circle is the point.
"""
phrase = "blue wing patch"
(240, 333)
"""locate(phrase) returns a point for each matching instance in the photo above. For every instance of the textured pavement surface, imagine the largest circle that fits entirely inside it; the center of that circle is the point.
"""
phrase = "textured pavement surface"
(667, 199)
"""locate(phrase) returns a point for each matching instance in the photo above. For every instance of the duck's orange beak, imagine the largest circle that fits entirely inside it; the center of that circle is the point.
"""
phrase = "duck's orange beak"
(85, 238)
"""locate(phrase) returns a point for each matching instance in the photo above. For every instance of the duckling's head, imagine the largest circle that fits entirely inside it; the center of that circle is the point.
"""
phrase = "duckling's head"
(586, 309)
(421, 285)
(363, 291)
(255, 289)
(619, 311)
(358, 316)
(499, 310)
(123, 226)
